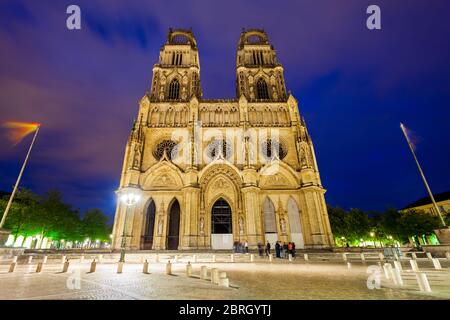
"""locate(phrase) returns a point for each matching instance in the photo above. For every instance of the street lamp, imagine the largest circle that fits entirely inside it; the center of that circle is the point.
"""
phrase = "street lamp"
(129, 197)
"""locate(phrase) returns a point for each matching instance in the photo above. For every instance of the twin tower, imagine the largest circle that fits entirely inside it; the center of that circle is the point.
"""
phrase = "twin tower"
(176, 76)
(207, 173)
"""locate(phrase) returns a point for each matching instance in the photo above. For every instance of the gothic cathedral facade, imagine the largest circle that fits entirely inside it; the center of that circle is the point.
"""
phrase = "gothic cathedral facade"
(212, 172)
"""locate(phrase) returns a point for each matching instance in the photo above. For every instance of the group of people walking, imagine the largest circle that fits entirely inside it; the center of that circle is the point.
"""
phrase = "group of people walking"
(240, 247)
(282, 250)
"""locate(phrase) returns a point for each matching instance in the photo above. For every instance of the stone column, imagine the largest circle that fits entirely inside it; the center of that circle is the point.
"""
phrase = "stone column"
(252, 214)
(190, 219)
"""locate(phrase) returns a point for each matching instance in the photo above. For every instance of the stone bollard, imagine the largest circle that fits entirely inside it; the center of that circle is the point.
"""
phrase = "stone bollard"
(203, 272)
(145, 267)
(436, 263)
(398, 276)
(169, 268)
(100, 258)
(30, 259)
(270, 257)
(195, 258)
(189, 269)
(398, 266)
(119, 267)
(93, 266)
(414, 256)
(290, 257)
(63, 259)
(232, 258)
(344, 256)
(414, 265)
(82, 258)
(12, 266)
(252, 257)
(429, 256)
(39, 267)
(45, 259)
(175, 260)
(214, 258)
(306, 257)
(157, 258)
(349, 265)
(363, 259)
(422, 281)
(215, 276)
(381, 256)
(223, 280)
(65, 266)
(392, 274)
(386, 271)
(14, 260)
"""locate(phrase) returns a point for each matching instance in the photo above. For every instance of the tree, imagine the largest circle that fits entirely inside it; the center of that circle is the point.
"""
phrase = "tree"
(24, 205)
(339, 222)
(95, 225)
(416, 223)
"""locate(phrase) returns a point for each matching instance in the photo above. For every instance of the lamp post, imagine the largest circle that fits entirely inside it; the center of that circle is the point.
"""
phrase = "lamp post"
(129, 196)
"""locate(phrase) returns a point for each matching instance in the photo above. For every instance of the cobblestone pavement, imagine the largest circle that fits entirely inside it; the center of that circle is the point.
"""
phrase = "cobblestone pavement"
(257, 280)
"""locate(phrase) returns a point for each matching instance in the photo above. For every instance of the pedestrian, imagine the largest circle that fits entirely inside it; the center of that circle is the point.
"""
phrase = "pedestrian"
(285, 250)
(246, 246)
(260, 249)
(277, 249)
(290, 248)
(267, 248)
(293, 249)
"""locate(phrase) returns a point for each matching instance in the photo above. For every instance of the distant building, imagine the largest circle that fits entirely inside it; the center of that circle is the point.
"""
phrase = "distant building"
(425, 204)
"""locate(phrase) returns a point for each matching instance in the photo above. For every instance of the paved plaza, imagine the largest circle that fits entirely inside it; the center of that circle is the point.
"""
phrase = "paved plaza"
(317, 278)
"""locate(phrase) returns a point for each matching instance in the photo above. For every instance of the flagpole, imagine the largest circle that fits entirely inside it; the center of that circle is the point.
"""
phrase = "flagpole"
(422, 175)
(18, 179)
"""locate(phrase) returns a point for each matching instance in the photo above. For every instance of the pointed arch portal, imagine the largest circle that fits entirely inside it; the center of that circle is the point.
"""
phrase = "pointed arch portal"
(270, 223)
(221, 225)
(295, 224)
(149, 225)
(173, 234)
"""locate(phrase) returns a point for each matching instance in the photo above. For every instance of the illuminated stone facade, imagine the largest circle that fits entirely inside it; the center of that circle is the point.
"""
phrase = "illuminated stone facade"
(213, 172)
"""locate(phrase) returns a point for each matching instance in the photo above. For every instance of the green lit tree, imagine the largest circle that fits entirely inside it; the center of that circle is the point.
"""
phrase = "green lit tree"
(95, 225)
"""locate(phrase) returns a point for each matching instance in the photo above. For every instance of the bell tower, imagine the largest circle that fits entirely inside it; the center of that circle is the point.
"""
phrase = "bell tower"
(259, 76)
(176, 76)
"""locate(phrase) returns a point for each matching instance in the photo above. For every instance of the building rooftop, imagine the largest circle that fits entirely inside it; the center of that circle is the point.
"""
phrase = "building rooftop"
(426, 200)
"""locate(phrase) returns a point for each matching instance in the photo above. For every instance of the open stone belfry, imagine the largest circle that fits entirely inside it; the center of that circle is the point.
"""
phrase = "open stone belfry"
(213, 172)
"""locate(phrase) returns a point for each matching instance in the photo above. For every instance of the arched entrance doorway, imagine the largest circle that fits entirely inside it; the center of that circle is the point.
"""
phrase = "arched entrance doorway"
(270, 224)
(221, 225)
(149, 227)
(295, 224)
(173, 234)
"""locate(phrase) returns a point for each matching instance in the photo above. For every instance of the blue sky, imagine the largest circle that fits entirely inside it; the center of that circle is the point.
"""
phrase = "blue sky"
(354, 87)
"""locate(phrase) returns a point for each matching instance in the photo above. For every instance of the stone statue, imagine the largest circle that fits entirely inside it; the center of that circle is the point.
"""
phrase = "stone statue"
(283, 225)
(202, 225)
(160, 226)
(241, 225)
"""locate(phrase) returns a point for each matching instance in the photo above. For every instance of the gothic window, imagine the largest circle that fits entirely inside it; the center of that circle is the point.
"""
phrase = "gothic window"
(169, 146)
(174, 90)
(261, 89)
(177, 59)
(195, 83)
(271, 146)
(215, 146)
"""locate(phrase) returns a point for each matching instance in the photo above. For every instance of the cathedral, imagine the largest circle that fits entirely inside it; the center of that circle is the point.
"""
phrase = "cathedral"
(207, 173)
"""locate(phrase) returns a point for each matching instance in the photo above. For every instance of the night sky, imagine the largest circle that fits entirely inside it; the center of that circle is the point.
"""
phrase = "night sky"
(354, 86)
